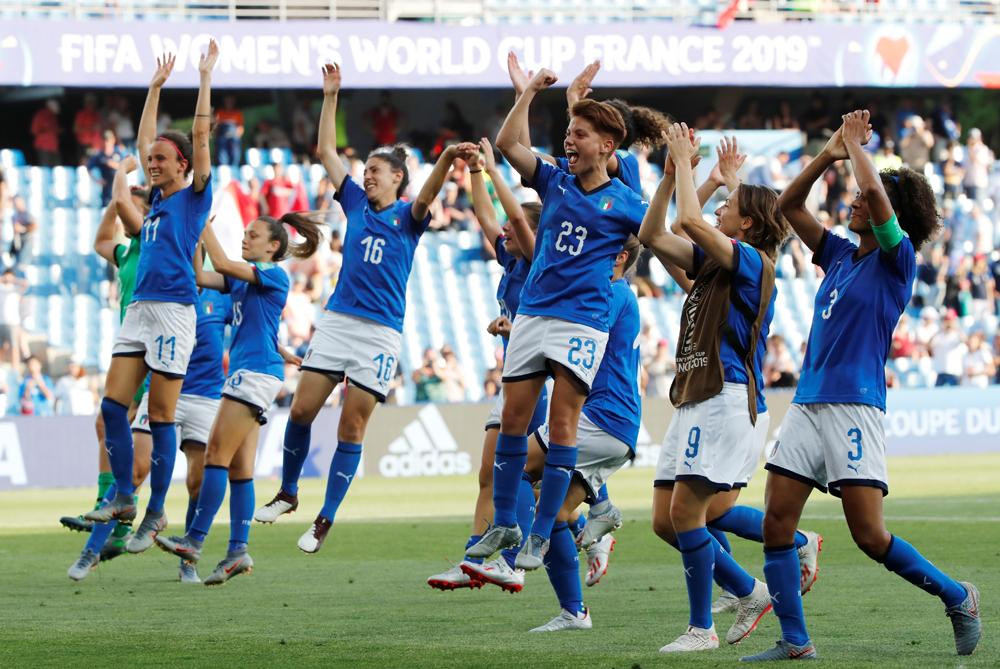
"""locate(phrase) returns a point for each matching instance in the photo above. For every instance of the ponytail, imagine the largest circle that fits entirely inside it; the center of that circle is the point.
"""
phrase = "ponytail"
(306, 223)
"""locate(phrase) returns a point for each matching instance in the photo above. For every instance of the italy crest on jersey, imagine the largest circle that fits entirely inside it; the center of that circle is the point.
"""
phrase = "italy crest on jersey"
(606, 203)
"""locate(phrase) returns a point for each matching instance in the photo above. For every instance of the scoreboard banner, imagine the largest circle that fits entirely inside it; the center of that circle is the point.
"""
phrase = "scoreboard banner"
(446, 439)
(275, 54)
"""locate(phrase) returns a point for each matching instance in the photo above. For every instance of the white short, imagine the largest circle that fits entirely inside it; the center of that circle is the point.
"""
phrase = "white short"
(538, 341)
(253, 389)
(713, 441)
(193, 416)
(363, 351)
(599, 454)
(826, 445)
(161, 332)
(539, 417)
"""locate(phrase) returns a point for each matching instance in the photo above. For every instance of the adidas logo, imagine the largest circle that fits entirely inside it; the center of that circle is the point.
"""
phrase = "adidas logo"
(426, 448)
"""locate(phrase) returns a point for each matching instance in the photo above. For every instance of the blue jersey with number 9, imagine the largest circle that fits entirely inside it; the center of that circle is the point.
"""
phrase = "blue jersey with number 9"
(378, 255)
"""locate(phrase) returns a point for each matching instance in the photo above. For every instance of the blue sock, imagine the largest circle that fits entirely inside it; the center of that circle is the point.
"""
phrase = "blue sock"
(903, 559)
(118, 443)
(343, 467)
(189, 518)
(781, 569)
(721, 537)
(559, 464)
(602, 495)
(241, 502)
(728, 573)
(162, 460)
(101, 531)
(295, 450)
(508, 464)
(747, 522)
(213, 491)
(563, 567)
(525, 515)
(698, 553)
(473, 539)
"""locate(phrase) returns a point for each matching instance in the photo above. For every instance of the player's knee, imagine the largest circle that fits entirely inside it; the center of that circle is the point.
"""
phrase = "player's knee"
(99, 426)
(873, 541)
(777, 529)
(159, 413)
(486, 476)
(351, 428)
(301, 414)
(663, 527)
(193, 486)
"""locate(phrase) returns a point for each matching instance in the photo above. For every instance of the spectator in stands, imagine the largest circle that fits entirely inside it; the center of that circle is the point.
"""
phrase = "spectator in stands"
(751, 118)
(451, 376)
(105, 162)
(394, 393)
(904, 341)
(660, 371)
(886, 158)
(229, 133)
(12, 344)
(280, 195)
(925, 330)
(87, 126)
(952, 172)
(979, 365)
(75, 393)
(779, 368)
(981, 287)
(915, 143)
(978, 159)
(385, 121)
(120, 121)
(36, 390)
(815, 121)
(427, 379)
(784, 119)
(45, 130)
(299, 313)
(492, 383)
(304, 130)
(24, 226)
(948, 350)
(271, 136)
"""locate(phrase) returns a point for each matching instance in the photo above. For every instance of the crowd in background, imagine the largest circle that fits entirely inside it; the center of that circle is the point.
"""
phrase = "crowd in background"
(952, 321)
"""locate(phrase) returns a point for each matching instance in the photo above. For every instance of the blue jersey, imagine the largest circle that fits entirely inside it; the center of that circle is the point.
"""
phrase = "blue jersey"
(628, 169)
(515, 271)
(256, 317)
(579, 235)
(745, 281)
(205, 377)
(857, 307)
(378, 255)
(169, 236)
(613, 403)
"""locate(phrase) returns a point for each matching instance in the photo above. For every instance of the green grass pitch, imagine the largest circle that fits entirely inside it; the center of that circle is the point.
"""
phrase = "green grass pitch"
(363, 601)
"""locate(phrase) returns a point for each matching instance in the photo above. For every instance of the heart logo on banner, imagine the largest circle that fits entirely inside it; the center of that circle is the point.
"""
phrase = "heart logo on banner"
(892, 51)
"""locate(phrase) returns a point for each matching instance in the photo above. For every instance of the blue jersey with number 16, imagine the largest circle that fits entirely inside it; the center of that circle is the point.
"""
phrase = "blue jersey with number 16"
(378, 255)
(256, 317)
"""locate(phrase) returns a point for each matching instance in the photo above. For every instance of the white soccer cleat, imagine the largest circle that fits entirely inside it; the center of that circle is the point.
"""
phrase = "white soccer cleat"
(497, 572)
(694, 639)
(313, 539)
(809, 561)
(749, 611)
(598, 556)
(453, 579)
(281, 504)
(601, 519)
(567, 621)
(726, 602)
(86, 563)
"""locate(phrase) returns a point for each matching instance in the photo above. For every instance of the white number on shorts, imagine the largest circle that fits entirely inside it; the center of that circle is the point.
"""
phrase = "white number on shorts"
(373, 249)
(149, 230)
(567, 229)
(833, 300)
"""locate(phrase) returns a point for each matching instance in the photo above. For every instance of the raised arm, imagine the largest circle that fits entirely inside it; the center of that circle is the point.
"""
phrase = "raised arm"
(121, 196)
(519, 79)
(580, 88)
(104, 240)
(508, 140)
(205, 278)
(482, 203)
(435, 180)
(515, 214)
(327, 142)
(669, 249)
(855, 133)
(202, 127)
(146, 134)
(235, 269)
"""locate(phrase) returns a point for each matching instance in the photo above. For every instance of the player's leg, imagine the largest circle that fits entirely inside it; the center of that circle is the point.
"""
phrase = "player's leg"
(241, 503)
(194, 452)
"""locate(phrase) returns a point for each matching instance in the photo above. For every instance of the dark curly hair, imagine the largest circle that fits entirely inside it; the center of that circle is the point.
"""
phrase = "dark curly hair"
(643, 125)
(913, 201)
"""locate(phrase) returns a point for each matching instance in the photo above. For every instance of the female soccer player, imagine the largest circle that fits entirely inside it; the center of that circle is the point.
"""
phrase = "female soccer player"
(359, 336)
(561, 328)
(832, 437)
(257, 368)
(157, 334)
(713, 436)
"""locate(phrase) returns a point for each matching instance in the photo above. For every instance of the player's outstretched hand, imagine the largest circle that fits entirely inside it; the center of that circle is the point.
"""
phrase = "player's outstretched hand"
(164, 66)
(580, 86)
(518, 77)
(856, 128)
(128, 164)
(208, 59)
(331, 79)
(542, 80)
(730, 161)
(488, 159)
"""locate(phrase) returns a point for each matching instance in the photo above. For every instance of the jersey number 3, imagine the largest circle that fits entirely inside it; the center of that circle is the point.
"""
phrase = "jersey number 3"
(834, 295)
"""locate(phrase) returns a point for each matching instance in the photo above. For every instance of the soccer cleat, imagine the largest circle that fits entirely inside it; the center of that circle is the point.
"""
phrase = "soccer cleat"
(497, 572)
(281, 504)
(783, 651)
(749, 611)
(144, 535)
(694, 639)
(726, 602)
(453, 579)
(182, 547)
(597, 558)
(122, 507)
(113, 547)
(313, 539)
(808, 561)
(86, 563)
(497, 538)
(532, 553)
(599, 524)
(567, 621)
(188, 572)
(965, 621)
(232, 565)
(77, 523)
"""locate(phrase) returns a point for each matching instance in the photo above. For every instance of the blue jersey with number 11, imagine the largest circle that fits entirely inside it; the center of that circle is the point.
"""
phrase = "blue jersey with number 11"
(256, 317)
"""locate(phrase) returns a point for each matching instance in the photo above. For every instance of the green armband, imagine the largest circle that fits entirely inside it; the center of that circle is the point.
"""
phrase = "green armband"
(889, 234)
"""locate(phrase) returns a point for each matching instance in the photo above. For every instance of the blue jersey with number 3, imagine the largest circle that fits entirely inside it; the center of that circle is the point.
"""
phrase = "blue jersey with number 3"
(378, 255)
(613, 403)
(205, 377)
(256, 317)
(857, 307)
(628, 169)
(169, 235)
(579, 235)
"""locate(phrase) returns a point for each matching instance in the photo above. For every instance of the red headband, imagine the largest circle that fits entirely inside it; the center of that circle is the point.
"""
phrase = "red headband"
(180, 155)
